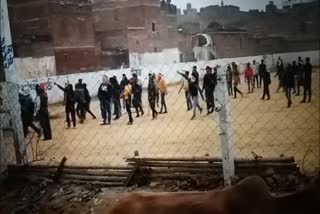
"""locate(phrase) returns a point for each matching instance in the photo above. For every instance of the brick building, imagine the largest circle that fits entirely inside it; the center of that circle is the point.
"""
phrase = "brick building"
(82, 35)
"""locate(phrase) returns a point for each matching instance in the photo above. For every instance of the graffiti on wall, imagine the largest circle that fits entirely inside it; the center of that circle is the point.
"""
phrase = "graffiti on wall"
(31, 84)
(7, 54)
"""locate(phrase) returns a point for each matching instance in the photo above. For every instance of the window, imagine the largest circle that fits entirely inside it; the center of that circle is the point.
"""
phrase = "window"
(137, 42)
(155, 49)
(153, 27)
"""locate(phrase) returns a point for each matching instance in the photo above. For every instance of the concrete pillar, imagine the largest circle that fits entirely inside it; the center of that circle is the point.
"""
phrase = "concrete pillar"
(10, 117)
(223, 108)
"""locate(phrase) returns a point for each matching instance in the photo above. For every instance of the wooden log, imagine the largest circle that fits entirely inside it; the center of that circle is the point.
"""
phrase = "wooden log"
(71, 171)
(215, 165)
(93, 178)
(74, 167)
(95, 183)
(183, 176)
(211, 159)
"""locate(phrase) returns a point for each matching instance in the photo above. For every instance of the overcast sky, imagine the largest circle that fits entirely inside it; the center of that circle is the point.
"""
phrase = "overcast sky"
(244, 5)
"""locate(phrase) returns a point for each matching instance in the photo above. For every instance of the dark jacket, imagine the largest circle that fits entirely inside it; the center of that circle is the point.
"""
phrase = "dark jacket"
(288, 79)
(266, 78)
(27, 106)
(116, 89)
(209, 81)
(69, 95)
(87, 95)
(262, 69)
(195, 74)
(105, 92)
(152, 89)
(307, 74)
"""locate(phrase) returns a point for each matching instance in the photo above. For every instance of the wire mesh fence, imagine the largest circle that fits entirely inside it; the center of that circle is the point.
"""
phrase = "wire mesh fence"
(257, 128)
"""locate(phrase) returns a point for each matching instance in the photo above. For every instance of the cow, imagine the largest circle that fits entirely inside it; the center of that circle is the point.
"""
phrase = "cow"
(250, 196)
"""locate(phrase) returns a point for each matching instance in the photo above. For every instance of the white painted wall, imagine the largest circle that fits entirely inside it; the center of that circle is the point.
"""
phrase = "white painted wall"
(29, 68)
(169, 70)
(167, 56)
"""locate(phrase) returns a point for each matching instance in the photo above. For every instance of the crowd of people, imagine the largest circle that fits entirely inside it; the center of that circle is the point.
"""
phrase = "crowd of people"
(292, 77)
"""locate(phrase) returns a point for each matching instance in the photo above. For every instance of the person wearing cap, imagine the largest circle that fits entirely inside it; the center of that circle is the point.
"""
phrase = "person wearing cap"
(152, 93)
(137, 95)
(209, 82)
(104, 95)
(27, 112)
(163, 92)
(43, 113)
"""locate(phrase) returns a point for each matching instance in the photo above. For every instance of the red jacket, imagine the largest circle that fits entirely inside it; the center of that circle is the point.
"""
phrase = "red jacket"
(249, 73)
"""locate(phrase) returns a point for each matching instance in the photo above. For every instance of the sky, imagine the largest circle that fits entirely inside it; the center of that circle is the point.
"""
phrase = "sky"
(244, 5)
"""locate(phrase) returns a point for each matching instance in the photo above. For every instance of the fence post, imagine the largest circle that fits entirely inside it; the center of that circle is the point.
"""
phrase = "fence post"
(223, 108)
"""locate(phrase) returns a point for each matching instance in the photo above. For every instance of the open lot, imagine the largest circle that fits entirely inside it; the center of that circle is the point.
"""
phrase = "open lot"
(267, 128)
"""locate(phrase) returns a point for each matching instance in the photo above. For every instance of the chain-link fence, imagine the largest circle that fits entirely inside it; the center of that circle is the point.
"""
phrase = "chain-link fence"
(245, 127)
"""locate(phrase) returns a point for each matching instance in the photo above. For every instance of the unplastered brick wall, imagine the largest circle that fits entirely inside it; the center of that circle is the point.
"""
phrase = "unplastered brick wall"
(169, 70)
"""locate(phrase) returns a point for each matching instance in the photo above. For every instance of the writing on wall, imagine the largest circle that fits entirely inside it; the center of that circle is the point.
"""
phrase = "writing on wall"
(7, 53)
(31, 84)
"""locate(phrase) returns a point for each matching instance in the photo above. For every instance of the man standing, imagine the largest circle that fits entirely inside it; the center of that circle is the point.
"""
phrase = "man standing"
(288, 83)
(208, 87)
(229, 80)
(69, 104)
(299, 75)
(137, 94)
(255, 74)
(152, 93)
(266, 80)
(194, 92)
(185, 86)
(116, 97)
(195, 74)
(249, 77)
(163, 93)
(307, 81)
(122, 85)
(280, 73)
(236, 80)
(127, 98)
(87, 98)
(81, 101)
(104, 95)
(27, 112)
(43, 113)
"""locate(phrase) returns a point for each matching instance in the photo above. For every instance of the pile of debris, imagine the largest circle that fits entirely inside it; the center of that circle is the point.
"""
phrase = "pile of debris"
(43, 196)
(281, 174)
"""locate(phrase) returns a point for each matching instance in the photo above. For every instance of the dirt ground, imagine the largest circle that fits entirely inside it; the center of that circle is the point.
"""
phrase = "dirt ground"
(267, 128)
